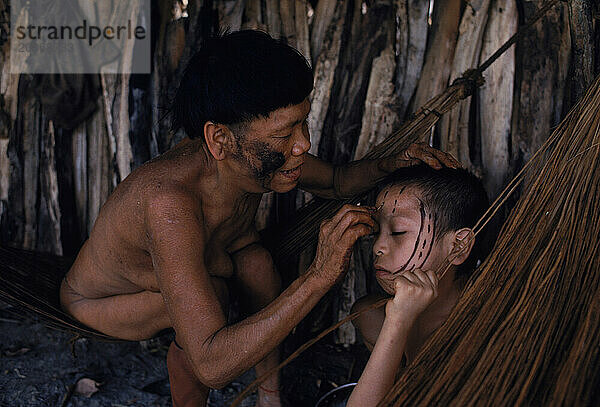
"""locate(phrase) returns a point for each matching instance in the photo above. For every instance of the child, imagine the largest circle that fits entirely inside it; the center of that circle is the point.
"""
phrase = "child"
(425, 218)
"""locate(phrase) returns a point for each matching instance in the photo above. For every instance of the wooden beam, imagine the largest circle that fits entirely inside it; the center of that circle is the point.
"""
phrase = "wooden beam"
(454, 126)
(381, 116)
(324, 72)
(581, 67)
(411, 42)
(496, 97)
(542, 66)
(231, 13)
(49, 232)
(302, 29)
(440, 52)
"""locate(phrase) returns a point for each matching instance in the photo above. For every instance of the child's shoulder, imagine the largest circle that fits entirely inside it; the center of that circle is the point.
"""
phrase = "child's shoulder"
(369, 322)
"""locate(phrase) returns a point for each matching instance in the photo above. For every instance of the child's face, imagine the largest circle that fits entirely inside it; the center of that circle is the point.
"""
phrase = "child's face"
(407, 238)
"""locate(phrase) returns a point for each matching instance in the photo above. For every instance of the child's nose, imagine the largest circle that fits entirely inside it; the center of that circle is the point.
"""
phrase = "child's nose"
(379, 247)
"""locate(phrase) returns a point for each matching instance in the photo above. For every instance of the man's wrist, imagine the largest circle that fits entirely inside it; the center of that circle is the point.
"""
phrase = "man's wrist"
(315, 282)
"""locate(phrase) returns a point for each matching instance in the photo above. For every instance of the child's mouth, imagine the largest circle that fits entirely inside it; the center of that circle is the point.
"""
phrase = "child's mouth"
(381, 272)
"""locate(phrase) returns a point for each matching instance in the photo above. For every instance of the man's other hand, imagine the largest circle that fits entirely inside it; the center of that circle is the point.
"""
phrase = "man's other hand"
(415, 154)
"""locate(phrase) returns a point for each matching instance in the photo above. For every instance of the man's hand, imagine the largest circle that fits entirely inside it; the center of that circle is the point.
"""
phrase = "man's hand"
(418, 153)
(415, 291)
(336, 238)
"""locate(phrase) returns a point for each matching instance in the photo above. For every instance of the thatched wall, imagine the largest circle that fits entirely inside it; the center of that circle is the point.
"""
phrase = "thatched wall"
(375, 62)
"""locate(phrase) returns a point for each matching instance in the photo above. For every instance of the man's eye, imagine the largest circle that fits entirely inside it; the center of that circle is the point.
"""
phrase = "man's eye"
(397, 233)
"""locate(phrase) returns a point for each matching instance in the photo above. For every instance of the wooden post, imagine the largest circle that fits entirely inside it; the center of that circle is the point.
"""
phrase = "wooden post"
(496, 98)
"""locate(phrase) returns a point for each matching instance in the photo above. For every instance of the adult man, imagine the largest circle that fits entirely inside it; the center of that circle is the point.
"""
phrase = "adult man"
(179, 226)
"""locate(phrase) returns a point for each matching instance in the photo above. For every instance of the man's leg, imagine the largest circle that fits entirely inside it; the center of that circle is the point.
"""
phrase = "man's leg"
(141, 316)
(186, 389)
(133, 317)
(258, 283)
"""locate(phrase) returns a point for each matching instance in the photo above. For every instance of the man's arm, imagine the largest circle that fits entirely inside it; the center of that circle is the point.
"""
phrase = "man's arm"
(338, 182)
(219, 353)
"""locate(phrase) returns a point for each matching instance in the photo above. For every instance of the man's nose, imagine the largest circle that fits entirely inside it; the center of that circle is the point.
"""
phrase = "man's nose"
(301, 142)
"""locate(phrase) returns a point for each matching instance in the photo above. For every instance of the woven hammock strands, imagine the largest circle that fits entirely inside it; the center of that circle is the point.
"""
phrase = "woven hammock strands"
(555, 225)
(31, 281)
(525, 331)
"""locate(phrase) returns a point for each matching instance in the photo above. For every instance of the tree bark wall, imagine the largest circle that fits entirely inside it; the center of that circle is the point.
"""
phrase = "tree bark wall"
(375, 62)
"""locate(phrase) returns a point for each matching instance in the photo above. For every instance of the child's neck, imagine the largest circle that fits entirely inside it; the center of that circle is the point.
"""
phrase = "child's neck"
(433, 316)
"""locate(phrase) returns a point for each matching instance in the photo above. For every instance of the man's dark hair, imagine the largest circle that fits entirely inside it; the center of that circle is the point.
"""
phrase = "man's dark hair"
(456, 197)
(237, 77)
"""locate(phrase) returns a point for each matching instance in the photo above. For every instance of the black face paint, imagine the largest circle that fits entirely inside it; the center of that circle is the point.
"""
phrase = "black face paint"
(421, 226)
(270, 160)
(432, 240)
(260, 158)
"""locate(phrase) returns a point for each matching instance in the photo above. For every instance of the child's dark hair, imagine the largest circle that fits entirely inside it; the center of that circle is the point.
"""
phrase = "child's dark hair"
(456, 196)
(236, 77)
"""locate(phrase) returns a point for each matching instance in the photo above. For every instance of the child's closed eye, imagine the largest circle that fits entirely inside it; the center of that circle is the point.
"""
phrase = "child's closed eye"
(398, 233)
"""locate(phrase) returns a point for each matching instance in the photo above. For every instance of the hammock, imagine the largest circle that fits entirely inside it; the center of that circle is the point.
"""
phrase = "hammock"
(525, 331)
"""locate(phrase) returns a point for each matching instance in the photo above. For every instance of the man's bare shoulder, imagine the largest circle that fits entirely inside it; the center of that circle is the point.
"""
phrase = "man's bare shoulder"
(170, 201)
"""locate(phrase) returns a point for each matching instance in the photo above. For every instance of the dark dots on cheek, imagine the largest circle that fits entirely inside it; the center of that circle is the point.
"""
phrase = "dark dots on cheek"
(394, 210)
(420, 255)
(424, 243)
(269, 159)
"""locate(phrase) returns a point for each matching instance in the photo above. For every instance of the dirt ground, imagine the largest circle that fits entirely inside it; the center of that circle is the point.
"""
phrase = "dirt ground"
(41, 366)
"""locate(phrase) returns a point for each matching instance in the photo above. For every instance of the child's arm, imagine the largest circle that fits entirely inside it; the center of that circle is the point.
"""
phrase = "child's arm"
(414, 292)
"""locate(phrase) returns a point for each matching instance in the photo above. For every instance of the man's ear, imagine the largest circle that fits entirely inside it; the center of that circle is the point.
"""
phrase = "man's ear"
(464, 239)
(218, 139)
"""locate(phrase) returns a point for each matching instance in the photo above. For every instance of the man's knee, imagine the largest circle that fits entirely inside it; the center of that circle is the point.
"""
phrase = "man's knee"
(255, 273)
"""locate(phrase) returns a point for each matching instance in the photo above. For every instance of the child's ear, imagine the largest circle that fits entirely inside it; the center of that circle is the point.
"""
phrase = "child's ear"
(464, 239)
(218, 138)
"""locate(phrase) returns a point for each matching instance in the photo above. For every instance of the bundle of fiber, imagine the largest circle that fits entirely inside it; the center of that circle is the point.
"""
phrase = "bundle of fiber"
(525, 331)
(31, 281)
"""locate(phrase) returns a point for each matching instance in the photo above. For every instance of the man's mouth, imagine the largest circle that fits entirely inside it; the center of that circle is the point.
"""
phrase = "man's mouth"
(292, 173)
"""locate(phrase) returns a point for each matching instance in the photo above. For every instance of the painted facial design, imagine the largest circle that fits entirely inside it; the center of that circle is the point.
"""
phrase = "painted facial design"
(424, 242)
(407, 234)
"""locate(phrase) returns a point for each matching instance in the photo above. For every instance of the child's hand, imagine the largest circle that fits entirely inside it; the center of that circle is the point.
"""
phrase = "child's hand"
(414, 291)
